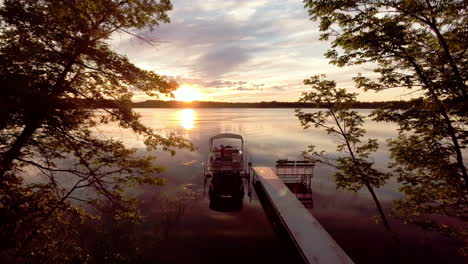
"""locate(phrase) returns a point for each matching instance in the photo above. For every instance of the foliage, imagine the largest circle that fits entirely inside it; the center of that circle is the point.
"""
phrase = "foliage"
(355, 169)
(432, 198)
(173, 208)
(113, 235)
(417, 45)
(55, 59)
(32, 230)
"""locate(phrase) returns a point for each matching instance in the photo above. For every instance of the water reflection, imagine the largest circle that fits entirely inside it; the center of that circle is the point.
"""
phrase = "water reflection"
(226, 204)
(272, 134)
(226, 192)
(186, 118)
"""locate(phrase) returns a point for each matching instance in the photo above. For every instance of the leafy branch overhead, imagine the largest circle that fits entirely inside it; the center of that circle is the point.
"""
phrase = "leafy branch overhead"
(418, 45)
(355, 169)
(56, 65)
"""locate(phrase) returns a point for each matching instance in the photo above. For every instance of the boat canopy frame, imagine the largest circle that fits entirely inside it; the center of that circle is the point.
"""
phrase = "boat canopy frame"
(227, 135)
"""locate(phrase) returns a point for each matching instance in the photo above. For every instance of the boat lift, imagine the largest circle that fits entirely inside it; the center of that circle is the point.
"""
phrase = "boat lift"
(297, 175)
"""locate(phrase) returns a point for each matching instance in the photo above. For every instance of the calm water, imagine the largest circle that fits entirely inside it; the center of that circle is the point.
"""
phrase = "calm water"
(202, 235)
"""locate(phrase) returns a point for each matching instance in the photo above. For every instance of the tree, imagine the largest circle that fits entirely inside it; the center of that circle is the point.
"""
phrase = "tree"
(413, 45)
(354, 169)
(55, 62)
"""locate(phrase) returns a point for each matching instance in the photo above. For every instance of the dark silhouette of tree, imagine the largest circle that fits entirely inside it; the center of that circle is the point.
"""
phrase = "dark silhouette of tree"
(354, 169)
(419, 45)
(274, 104)
(54, 60)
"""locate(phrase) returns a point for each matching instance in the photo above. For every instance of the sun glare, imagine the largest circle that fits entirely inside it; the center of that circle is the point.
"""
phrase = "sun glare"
(186, 118)
(187, 94)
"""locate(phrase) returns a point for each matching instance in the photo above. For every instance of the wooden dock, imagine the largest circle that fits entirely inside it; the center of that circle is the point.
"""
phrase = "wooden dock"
(310, 238)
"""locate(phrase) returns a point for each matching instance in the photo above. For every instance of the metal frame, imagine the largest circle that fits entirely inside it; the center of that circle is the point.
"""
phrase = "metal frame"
(227, 135)
(296, 171)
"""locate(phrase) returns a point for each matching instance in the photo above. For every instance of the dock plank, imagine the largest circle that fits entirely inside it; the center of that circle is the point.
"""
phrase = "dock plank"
(313, 241)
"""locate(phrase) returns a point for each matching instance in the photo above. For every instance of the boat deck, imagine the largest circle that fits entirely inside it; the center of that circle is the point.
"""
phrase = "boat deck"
(221, 165)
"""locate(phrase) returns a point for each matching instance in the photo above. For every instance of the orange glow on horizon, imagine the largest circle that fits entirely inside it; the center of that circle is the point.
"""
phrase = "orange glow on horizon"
(187, 94)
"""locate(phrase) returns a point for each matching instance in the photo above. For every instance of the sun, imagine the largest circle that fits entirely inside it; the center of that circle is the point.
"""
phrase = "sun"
(187, 94)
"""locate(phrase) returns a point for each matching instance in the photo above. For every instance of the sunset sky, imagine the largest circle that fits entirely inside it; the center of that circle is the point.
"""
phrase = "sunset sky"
(241, 51)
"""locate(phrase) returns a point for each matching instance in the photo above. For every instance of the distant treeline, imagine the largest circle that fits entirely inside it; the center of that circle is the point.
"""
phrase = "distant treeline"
(202, 104)
(273, 104)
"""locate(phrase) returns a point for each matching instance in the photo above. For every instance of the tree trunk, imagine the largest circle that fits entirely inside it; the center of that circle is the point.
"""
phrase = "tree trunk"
(448, 54)
(379, 207)
(35, 121)
(15, 150)
(448, 121)
(369, 187)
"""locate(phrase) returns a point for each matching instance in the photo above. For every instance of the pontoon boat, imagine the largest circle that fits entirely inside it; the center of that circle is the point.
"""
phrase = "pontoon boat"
(225, 168)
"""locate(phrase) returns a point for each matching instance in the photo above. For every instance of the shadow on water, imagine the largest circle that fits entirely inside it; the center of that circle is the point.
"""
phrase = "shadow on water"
(226, 204)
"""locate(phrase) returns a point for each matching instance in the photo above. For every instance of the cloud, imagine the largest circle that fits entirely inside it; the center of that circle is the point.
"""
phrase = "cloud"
(215, 63)
(220, 84)
(242, 88)
(208, 40)
(227, 48)
(278, 88)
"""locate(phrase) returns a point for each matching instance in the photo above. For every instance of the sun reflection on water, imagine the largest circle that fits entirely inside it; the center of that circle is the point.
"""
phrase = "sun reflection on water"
(186, 118)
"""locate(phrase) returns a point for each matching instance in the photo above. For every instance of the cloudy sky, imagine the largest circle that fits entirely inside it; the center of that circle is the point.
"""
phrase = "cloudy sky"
(240, 51)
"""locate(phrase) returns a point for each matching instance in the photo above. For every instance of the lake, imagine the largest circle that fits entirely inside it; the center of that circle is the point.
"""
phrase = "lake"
(202, 235)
